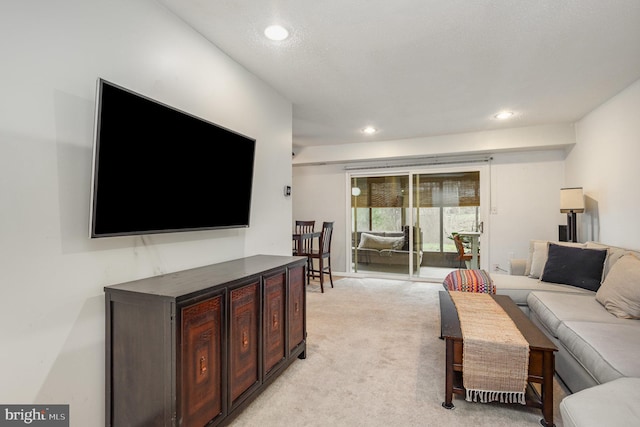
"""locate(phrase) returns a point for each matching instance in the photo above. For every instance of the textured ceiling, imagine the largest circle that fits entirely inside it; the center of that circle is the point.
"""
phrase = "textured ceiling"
(416, 68)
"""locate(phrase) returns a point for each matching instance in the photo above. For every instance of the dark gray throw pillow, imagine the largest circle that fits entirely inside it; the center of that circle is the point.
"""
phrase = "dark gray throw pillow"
(579, 267)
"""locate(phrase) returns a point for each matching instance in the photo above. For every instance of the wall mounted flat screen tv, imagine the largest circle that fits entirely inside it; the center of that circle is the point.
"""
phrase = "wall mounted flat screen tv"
(157, 169)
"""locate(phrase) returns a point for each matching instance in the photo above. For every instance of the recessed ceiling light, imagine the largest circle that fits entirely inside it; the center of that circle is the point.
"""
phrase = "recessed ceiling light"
(369, 130)
(503, 115)
(276, 33)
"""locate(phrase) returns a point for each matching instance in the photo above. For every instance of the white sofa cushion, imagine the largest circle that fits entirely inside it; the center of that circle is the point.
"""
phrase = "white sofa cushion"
(620, 291)
(615, 253)
(553, 308)
(614, 404)
(519, 287)
(605, 351)
(538, 259)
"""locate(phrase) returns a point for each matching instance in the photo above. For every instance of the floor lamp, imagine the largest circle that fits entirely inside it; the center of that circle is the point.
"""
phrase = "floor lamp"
(571, 202)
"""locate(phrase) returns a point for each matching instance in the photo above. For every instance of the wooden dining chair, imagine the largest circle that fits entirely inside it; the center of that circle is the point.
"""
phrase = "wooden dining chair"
(462, 255)
(303, 240)
(322, 255)
(303, 244)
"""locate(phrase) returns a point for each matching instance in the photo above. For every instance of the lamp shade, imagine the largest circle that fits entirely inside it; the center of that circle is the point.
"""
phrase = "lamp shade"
(571, 200)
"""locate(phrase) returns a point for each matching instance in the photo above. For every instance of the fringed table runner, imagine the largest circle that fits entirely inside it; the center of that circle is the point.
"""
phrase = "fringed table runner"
(495, 355)
(469, 281)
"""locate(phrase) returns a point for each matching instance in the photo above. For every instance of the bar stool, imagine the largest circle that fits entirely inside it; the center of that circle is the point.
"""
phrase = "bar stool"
(303, 240)
(323, 255)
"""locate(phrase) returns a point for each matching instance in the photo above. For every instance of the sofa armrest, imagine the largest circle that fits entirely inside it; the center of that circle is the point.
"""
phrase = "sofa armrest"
(517, 266)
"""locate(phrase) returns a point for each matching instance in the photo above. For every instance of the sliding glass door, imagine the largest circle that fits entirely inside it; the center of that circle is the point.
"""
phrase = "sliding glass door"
(446, 204)
(405, 223)
(380, 224)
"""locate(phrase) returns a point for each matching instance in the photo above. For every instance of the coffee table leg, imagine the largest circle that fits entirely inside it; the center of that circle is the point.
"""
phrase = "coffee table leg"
(547, 389)
(448, 388)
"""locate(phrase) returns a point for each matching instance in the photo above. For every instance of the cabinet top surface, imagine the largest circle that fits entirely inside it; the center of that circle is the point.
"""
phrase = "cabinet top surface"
(185, 282)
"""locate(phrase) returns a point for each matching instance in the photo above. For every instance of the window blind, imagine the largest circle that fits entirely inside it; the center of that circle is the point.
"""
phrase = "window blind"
(432, 190)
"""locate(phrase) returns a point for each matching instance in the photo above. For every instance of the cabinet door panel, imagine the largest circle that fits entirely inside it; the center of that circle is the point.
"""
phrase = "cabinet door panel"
(201, 362)
(296, 307)
(243, 360)
(274, 306)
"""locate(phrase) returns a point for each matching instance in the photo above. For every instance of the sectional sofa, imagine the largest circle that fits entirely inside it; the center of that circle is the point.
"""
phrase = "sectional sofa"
(586, 298)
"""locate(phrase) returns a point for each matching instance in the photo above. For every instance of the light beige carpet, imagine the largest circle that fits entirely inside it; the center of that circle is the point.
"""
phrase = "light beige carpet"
(374, 359)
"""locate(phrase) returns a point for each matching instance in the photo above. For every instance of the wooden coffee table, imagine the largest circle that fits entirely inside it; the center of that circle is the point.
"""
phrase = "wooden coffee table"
(539, 393)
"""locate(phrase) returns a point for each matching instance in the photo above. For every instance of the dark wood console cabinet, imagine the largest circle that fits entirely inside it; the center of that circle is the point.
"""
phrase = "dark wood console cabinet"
(195, 347)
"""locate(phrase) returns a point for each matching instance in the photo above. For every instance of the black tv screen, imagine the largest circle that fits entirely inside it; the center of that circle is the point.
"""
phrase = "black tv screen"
(157, 169)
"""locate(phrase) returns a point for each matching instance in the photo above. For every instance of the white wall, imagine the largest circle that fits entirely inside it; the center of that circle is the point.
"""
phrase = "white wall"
(51, 274)
(320, 193)
(538, 138)
(525, 191)
(605, 163)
